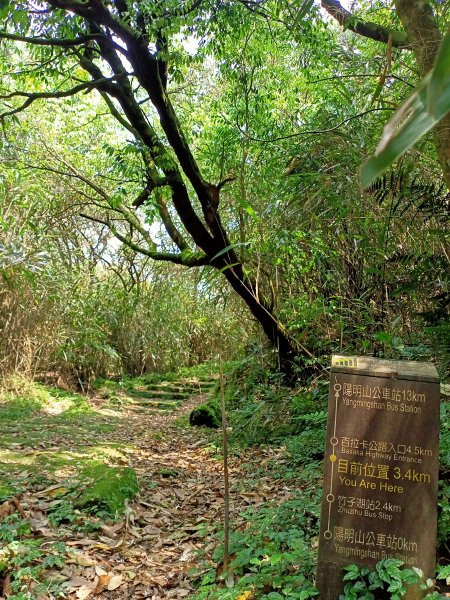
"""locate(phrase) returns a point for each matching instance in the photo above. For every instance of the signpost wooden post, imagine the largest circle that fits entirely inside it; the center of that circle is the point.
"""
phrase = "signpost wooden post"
(381, 468)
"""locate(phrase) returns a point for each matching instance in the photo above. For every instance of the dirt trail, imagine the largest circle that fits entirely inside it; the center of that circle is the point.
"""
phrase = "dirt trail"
(169, 528)
(180, 504)
(181, 485)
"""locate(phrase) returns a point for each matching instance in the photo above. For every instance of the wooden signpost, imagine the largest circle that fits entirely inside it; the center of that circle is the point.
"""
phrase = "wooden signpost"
(381, 468)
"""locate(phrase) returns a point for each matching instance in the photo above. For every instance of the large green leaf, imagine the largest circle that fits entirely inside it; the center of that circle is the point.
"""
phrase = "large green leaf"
(439, 88)
(421, 111)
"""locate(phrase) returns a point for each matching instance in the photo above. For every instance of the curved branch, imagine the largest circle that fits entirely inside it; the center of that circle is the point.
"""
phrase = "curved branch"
(42, 41)
(95, 10)
(116, 114)
(33, 96)
(62, 42)
(145, 133)
(152, 184)
(228, 179)
(361, 75)
(169, 225)
(368, 29)
(316, 131)
(129, 216)
(187, 259)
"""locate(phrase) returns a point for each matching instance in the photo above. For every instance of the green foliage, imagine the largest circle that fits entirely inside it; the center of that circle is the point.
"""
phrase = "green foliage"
(421, 111)
(27, 558)
(439, 336)
(443, 573)
(271, 555)
(388, 581)
(13, 528)
(88, 306)
(263, 410)
(251, 96)
(267, 99)
(273, 552)
(444, 444)
(443, 530)
(307, 446)
(444, 477)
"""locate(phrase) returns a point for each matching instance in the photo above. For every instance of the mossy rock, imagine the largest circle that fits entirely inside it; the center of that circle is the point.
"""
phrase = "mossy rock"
(110, 487)
(207, 415)
(165, 472)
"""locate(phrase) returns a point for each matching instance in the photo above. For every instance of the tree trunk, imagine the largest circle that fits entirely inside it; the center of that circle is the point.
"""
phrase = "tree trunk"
(292, 356)
(425, 37)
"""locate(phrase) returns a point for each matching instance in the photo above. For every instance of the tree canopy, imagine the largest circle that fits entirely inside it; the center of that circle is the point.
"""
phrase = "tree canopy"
(239, 126)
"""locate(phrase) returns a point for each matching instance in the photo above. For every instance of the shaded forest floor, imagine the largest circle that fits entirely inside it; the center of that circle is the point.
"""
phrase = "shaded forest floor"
(54, 462)
(114, 496)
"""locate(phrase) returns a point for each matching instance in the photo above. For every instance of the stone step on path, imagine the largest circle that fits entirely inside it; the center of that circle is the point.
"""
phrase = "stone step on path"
(158, 393)
(180, 387)
(188, 386)
(168, 395)
(144, 405)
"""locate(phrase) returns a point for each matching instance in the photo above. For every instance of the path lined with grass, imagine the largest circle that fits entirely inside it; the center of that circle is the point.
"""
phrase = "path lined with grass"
(114, 496)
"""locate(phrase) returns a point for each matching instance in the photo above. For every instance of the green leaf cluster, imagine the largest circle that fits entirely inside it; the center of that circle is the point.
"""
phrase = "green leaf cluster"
(270, 556)
(388, 580)
(27, 558)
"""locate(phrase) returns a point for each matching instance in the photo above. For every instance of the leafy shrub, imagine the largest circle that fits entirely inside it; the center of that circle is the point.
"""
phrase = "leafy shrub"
(26, 558)
(263, 410)
(306, 446)
(388, 581)
(270, 555)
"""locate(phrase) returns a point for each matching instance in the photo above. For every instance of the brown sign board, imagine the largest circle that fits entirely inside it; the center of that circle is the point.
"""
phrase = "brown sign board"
(381, 468)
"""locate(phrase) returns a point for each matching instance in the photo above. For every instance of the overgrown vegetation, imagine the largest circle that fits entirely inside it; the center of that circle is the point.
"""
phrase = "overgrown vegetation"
(389, 580)
(179, 182)
(266, 159)
(273, 549)
(84, 481)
